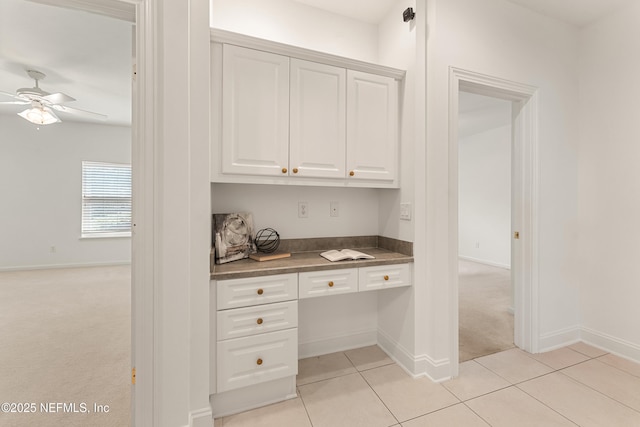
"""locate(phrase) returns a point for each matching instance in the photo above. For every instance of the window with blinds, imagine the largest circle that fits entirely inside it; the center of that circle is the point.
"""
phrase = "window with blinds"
(106, 199)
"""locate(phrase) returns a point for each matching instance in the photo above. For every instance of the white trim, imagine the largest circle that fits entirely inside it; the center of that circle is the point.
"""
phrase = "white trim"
(201, 418)
(558, 339)
(223, 36)
(611, 344)
(144, 255)
(485, 262)
(525, 203)
(416, 366)
(58, 266)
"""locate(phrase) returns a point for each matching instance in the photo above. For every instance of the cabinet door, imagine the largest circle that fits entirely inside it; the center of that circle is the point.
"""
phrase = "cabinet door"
(372, 126)
(255, 112)
(318, 109)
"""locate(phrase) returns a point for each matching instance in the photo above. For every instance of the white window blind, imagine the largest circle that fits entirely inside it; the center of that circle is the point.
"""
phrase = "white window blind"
(106, 199)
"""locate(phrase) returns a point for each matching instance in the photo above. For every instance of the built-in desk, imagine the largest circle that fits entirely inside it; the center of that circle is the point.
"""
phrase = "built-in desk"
(254, 317)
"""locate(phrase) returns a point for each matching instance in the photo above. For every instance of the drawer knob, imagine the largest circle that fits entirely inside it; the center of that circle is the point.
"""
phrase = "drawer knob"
(260, 291)
(259, 362)
(331, 284)
(386, 277)
(351, 173)
(259, 321)
(295, 170)
(284, 170)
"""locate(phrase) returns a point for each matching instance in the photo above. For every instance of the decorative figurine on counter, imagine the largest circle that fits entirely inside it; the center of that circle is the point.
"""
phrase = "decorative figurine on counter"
(233, 236)
(267, 240)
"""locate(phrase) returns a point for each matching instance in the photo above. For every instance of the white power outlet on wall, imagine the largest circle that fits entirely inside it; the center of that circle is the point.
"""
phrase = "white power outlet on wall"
(303, 210)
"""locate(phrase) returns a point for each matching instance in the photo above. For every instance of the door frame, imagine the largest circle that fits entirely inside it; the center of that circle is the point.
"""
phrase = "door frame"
(524, 201)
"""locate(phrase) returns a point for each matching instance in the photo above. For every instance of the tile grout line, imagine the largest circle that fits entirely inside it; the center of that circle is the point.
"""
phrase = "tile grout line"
(378, 396)
(598, 391)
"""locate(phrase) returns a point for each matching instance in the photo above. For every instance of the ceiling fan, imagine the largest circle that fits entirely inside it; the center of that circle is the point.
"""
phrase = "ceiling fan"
(43, 103)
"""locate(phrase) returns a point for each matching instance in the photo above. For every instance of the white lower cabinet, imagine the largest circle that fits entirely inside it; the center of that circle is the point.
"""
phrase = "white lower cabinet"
(254, 346)
(252, 360)
(256, 330)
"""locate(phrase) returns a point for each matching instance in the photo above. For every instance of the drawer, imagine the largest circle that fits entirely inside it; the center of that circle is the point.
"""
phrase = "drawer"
(249, 291)
(251, 360)
(242, 322)
(328, 282)
(384, 277)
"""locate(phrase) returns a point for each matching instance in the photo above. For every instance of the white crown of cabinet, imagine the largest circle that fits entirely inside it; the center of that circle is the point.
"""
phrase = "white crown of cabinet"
(283, 120)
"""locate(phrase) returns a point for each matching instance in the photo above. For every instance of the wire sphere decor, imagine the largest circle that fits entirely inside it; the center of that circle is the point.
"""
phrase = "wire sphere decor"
(267, 240)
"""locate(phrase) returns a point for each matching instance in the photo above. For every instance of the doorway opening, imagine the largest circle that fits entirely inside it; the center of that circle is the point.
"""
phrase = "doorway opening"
(522, 254)
(484, 222)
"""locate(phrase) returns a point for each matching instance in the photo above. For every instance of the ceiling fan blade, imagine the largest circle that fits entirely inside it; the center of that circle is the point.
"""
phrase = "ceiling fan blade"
(58, 98)
(78, 112)
(14, 102)
(13, 95)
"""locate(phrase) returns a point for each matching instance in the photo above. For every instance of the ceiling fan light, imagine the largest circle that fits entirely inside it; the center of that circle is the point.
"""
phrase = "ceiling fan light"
(39, 116)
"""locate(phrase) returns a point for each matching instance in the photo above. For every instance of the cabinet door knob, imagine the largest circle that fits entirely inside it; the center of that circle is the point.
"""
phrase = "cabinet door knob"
(351, 173)
(331, 284)
(260, 291)
(284, 170)
(386, 277)
(259, 321)
(259, 362)
(295, 170)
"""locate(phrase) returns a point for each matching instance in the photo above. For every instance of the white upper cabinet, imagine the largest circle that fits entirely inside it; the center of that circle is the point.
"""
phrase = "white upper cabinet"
(255, 112)
(372, 126)
(317, 120)
(287, 115)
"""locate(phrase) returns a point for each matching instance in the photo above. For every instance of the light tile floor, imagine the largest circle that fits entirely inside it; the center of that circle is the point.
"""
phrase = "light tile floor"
(576, 385)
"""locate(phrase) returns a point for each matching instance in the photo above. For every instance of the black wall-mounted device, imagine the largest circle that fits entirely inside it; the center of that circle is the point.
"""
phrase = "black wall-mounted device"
(408, 14)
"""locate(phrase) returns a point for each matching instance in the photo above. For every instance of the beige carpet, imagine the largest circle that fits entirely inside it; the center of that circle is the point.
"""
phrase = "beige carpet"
(485, 325)
(65, 338)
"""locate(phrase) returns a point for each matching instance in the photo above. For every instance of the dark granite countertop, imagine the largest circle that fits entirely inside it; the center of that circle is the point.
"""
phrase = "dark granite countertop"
(312, 261)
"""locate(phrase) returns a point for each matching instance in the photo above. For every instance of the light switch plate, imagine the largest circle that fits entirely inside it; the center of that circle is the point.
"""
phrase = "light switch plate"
(405, 211)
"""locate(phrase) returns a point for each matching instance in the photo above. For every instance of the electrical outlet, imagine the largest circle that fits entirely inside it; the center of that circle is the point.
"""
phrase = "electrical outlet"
(405, 211)
(477, 245)
(303, 210)
(334, 209)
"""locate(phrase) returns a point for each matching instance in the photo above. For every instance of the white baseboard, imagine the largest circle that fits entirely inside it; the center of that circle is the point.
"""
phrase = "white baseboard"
(247, 398)
(416, 366)
(617, 346)
(201, 418)
(347, 341)
(70, 265)
(485, 262)
(557, 339)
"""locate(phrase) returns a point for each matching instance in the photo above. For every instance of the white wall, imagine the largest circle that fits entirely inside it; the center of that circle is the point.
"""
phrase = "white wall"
(498, 38)
(41, 187)
(297, 24)
(609, 182)
(484, 185)
(397, 48)
(276, 206)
